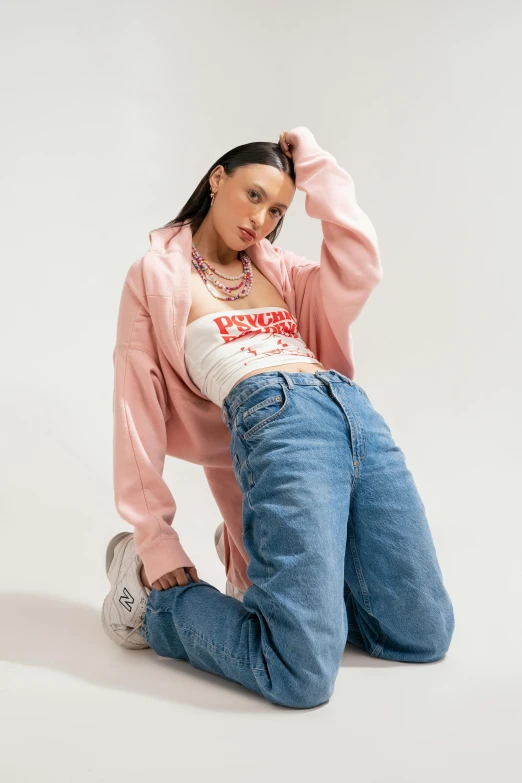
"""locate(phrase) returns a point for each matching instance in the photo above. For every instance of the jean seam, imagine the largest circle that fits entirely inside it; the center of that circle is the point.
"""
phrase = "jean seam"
(360, 429)
(238, 466)
(271, 606)
(364, 590)
(221, 650)
(379, 647)
(360, 576)
(184, 630)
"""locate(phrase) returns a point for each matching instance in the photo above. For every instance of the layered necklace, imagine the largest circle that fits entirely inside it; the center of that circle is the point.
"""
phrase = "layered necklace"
(208, 275)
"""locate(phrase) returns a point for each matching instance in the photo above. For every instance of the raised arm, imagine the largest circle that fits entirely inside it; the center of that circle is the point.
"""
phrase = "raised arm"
(349, 266)
(140, 409)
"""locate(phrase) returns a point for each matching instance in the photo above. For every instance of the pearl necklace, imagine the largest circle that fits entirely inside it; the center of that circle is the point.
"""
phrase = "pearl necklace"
(205, 272)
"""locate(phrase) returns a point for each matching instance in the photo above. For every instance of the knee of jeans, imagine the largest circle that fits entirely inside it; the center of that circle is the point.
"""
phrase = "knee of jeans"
(447, 628)
(304, 690)
(438, 639)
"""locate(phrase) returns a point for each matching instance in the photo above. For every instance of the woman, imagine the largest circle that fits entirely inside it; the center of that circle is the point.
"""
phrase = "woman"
(325, 537)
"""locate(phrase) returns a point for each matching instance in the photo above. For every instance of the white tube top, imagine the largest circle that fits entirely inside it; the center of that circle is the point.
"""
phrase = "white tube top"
(222, 347)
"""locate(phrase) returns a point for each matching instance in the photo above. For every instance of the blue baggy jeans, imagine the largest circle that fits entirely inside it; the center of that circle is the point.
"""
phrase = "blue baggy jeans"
(339, 544)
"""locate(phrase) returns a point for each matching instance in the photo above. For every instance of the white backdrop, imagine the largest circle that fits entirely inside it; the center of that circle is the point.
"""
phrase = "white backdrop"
(112, 112)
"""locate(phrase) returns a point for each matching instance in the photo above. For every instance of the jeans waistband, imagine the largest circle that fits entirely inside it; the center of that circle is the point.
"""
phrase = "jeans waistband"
(244, 388)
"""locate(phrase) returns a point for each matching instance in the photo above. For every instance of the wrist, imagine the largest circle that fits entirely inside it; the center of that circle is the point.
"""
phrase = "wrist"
(303, 142)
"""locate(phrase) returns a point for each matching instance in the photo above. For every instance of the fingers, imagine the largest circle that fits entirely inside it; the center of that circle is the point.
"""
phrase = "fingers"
(167, 581)
(284, 144)
(161, 584)
(172, 579)
(175, 578)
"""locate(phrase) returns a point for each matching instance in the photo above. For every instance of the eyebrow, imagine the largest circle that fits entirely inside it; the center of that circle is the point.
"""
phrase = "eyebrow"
(263, 191)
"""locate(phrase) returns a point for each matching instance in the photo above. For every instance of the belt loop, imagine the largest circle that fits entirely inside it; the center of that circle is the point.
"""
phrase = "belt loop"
(288, 380)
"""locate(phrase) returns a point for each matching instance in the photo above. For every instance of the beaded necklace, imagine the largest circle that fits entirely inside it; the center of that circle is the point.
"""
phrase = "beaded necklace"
(205, 272)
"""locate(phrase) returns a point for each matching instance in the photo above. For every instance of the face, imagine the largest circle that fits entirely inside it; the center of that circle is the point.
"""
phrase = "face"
(254, 197)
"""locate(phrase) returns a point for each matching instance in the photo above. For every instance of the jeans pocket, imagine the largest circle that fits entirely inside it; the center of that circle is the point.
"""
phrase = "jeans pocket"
(264, 406)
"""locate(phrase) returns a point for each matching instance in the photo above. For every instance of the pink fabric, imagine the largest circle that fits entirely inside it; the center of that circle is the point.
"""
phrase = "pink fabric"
(158, 411)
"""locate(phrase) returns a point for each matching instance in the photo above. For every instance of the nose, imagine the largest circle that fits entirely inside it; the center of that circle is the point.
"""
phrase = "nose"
(259, 219)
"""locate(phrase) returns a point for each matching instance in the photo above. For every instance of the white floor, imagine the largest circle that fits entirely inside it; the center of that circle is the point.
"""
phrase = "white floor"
(75, 707)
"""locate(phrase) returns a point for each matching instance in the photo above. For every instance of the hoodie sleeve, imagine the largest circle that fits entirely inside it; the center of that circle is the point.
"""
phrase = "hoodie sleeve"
(338, 285)
(140, 410)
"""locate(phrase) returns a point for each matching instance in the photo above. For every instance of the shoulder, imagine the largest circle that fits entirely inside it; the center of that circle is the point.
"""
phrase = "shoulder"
(151, 275)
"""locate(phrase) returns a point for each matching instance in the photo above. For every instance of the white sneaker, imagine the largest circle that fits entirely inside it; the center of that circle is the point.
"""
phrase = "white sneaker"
(218, 542)
(230, 589)
(124, 607)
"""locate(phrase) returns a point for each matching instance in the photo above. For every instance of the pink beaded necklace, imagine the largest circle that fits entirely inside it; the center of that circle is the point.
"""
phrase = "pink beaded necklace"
(205, 272)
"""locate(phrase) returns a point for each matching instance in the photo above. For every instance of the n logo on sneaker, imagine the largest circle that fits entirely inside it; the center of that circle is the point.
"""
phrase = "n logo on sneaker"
(126, 600)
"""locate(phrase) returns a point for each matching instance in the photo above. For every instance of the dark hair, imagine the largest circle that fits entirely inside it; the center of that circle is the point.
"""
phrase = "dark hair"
(264, 152)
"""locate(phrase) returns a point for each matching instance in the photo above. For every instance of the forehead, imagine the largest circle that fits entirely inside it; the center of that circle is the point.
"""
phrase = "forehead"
(276, 184)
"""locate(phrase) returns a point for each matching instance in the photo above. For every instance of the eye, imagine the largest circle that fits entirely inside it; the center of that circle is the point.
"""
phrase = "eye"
(257, 194)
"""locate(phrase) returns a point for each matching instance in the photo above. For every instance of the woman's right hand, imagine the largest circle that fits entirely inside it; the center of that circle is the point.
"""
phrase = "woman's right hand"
(175, 578)
(285, 144)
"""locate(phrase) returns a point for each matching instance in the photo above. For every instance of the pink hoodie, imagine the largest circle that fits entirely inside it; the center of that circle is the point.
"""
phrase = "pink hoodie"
(158, 411)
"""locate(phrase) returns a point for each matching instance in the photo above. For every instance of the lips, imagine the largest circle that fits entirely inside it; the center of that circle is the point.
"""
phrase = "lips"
(248, 231)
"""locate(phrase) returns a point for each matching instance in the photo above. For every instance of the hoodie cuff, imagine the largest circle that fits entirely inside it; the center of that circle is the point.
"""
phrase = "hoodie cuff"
(304, 143)
(164, 555)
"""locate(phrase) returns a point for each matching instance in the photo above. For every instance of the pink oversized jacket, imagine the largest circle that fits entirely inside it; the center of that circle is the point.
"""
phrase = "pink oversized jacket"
(158, 411)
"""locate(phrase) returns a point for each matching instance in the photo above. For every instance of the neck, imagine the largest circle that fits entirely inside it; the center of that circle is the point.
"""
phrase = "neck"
(210, 245)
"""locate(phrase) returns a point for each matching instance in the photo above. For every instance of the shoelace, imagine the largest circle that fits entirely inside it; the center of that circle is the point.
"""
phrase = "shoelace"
(137, 627)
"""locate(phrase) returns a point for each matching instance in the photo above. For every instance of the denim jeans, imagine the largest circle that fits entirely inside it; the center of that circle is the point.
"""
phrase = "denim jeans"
(339, 544)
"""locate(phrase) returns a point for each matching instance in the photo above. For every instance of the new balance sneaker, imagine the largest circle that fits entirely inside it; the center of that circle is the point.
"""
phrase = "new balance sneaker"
(124, 607)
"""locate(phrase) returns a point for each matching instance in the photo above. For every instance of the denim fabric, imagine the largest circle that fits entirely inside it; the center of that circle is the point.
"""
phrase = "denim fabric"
(339, 544)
